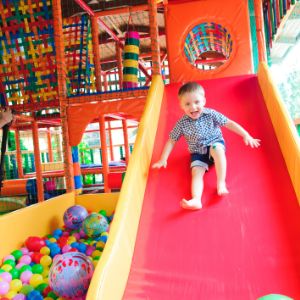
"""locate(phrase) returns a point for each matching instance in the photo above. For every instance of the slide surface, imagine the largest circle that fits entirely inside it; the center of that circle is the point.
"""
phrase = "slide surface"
(241, 246)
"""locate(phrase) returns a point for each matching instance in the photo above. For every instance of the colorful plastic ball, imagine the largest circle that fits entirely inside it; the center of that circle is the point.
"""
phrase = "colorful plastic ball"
(70, 275)
(74, 216)
(19, 297)
(16, 285)
(94, 225)
(25, 276)
(17, 254)
(36, 279)
(34, 243)
(275, 297)
(4, 287)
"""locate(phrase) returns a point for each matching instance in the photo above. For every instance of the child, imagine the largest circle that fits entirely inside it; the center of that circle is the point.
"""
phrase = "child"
(201, 128)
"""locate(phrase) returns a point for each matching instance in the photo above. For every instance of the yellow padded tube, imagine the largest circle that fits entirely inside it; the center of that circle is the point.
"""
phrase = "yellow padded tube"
(110, 277)
(283, 125)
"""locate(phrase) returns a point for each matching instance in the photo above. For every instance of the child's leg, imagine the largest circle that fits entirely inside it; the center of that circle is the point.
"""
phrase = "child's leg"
(196, 189)
(217, 151)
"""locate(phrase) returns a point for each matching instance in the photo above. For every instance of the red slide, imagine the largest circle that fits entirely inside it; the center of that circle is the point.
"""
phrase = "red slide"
(241, 246)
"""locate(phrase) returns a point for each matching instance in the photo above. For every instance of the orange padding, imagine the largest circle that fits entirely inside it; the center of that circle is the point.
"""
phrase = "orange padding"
(14, 187)
(283, 125)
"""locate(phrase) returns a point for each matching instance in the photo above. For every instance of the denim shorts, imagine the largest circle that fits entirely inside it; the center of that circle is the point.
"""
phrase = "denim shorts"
(204, 160)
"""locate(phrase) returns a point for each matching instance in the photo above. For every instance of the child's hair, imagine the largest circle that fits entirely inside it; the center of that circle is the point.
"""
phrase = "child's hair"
(190, 87)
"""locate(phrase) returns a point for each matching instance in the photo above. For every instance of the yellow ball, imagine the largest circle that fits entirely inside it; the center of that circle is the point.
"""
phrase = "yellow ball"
(16, 285)
(45, 273)
(46, 261)
(52, 240)
(71, 239)
(11, 294)
(6, 268)
(45, 250)
(36, 279)
(96, 253)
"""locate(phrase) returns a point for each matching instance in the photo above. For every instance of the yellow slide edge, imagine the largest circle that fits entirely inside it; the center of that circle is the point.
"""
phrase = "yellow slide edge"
(283, 125)
(110, 277)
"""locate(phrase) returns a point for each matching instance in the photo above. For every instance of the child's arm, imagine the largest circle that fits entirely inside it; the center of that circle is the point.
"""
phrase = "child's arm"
(165, 154)
(238, 129)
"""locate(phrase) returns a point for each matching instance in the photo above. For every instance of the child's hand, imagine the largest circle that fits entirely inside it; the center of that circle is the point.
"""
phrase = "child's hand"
(159, 164)
(250, 141)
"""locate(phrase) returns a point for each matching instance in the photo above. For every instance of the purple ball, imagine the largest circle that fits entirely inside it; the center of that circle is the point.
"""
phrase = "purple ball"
(74, 216)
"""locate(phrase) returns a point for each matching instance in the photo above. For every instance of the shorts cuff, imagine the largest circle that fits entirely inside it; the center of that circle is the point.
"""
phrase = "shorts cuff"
(199, 163)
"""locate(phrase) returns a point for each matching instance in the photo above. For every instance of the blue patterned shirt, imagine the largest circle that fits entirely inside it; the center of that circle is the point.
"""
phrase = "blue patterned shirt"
(201, 132)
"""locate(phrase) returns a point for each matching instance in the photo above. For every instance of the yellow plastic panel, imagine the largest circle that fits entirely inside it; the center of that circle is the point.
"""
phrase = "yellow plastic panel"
(283, 125)
(35, 220)
(110, 277)
(96, 202)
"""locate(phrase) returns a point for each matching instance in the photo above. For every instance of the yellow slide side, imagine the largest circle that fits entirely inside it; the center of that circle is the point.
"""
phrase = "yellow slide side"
(110, 277)
(283, 125)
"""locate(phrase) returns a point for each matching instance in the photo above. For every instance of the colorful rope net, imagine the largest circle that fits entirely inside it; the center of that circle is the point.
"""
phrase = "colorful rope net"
(207, 38)
(27, 52)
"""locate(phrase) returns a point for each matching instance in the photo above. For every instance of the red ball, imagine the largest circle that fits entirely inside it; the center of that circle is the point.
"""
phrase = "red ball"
(36, 257)
(34, 243)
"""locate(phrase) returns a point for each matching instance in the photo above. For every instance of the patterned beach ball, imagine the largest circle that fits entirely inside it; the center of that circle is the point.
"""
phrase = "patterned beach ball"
(94, 225)
(74, 216)
(70, 275)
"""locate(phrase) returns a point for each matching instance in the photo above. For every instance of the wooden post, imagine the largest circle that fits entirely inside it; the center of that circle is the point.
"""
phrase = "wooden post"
(155, 49)
(105, 167)
(50, 150)
(62, 92)
(126, 143)
(111, 144)
(119, 64)
(260, 30)
(96, 53)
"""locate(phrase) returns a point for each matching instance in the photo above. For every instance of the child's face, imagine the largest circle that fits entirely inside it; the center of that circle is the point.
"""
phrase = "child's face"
(193, 104)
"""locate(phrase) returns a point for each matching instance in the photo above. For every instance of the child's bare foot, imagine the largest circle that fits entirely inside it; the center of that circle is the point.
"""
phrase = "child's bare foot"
(222, 189)
(193, 203)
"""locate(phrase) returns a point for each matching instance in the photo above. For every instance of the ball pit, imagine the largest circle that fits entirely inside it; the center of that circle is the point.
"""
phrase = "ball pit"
(27, 273)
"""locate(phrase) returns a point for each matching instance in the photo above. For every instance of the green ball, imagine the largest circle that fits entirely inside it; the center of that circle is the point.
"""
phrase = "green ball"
(26, 289)
(25, 268)
(103, 213)
(10, 262)
(17, 254)
(274, 297)
(15, 273)
(52, 295)
(37, 269)
(41, 287)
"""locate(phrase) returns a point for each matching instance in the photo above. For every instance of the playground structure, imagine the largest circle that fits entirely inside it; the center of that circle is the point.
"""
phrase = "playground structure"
(227, 56)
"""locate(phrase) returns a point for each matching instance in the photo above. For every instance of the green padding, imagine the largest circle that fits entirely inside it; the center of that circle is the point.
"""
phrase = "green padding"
(133, 56)
(132, 42)
(298, 129)
(129, 70)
